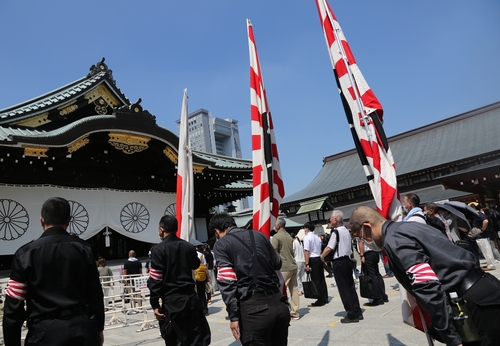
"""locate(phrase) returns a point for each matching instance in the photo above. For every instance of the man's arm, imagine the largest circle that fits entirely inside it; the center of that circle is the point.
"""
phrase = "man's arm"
(306, 257)
(484, 225)
(275, 243)
(331, 245)
(325, 253)
(429, 294)
(361, 247)
(422, 282)
(155, 280)
(14, 312)
(227, 279)
(94, 287)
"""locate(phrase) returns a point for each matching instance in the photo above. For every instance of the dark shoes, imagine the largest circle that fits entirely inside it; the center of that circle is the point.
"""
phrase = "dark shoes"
(348, 320)
(329, 276)
(375, 303)
(316, 303)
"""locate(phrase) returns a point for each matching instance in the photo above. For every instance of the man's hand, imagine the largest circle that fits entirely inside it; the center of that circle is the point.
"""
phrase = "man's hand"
(235, 329)
(159, 316)
(362, 259)
(101, 337)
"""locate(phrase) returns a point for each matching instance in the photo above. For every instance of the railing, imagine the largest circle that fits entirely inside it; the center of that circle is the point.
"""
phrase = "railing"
(123, 298)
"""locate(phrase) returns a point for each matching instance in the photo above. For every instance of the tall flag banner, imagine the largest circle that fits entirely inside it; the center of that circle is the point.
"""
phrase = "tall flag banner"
(268, 187)
(184, 199)
(364, 115)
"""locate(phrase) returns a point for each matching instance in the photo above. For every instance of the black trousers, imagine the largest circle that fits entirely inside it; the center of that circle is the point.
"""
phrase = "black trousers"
(185, 324)
(72, 330)
(342, 270)
(483, 301)
(202, 296)
(318, 276)
(264, 321)
(372, 259)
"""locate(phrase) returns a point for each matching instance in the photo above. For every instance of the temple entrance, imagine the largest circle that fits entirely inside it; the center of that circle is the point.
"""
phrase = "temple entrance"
(117, 246)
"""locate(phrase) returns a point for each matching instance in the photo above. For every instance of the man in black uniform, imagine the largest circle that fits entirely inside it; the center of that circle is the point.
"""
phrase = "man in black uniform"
(181, 317)
(429, 266)
(56, 275)
(249, 284)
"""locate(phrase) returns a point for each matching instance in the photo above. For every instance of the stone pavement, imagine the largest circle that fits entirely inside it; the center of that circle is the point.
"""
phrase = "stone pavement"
(382, 325)
(318, 326)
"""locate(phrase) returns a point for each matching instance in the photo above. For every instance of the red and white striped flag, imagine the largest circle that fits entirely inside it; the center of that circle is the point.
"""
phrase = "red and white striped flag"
(268, 188)
(364, 114)
(184, 199)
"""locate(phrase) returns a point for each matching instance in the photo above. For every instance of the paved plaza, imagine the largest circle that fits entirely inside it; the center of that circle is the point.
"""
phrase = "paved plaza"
(382, 325)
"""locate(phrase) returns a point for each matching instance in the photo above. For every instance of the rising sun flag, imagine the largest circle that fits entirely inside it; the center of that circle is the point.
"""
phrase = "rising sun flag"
(268, 188)
(364, 115)
(184, 199)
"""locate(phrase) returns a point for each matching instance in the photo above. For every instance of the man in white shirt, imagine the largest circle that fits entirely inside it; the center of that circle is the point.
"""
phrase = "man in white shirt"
(298, 252)
(314, 265)
(341, 245)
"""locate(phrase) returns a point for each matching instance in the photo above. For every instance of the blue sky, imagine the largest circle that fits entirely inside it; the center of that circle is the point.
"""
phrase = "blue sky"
(425, 61)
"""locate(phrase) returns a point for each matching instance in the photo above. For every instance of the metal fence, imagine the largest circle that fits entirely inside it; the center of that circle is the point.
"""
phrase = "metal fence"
(125, 301)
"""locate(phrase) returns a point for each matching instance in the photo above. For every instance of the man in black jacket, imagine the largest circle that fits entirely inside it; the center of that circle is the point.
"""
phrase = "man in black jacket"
(249, 284)
(430, 267)
(181, 317)
(57, 277)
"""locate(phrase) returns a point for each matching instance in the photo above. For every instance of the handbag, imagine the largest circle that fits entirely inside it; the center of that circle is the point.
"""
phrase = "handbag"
(474, 233)
(365, 284)
(464, 244)
(310, 289)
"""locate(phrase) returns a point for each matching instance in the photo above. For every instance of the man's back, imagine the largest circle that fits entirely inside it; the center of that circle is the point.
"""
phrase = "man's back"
(230, 252)
(180, 315)
(56, 273)
(283, 243)
(133, 266)
(59, 269)
(177, 259)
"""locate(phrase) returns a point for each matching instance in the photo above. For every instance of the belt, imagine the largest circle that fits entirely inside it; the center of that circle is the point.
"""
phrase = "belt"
(470, 279)
(65, 313)
(341, 258)
(267, 293)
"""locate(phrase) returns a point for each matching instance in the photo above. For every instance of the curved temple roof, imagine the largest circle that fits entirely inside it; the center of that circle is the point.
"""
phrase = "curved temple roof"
(89, 134)
(450, 140)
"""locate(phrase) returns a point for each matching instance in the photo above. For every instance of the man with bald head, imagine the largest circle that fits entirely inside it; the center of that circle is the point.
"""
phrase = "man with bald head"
(133, 267)
(430, 267)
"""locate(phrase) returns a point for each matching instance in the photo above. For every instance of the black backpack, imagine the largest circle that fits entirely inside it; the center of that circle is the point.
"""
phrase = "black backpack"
(433, 221)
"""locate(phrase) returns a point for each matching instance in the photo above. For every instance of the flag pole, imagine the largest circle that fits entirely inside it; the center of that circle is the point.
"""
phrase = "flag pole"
(268, 187)
(184, 204)
(351, 78)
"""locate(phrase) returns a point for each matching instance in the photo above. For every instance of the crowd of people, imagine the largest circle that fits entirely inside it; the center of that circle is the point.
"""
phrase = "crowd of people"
(260, 280)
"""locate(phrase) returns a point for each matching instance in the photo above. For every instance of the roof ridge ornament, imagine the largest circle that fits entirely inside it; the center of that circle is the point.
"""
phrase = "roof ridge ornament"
(135, 109)
(101, 67)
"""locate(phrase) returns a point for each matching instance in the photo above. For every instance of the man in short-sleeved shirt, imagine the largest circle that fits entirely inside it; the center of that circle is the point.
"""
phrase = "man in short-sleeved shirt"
(314, 265)
(132, 267)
